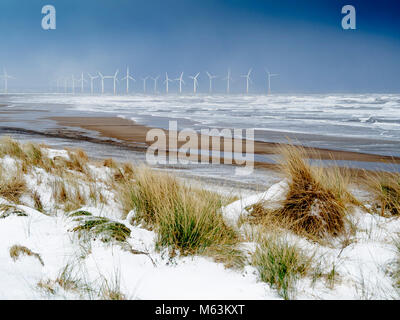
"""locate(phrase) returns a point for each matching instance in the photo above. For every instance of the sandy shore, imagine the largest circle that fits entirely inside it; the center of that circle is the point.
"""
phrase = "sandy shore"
(133, 134)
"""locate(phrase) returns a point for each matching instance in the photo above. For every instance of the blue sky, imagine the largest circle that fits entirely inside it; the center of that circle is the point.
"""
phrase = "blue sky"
(302, 40)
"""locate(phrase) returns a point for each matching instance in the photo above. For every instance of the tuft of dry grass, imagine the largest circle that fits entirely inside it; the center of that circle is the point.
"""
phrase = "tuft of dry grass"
(77, 161)
(147, 193)
(110, 163)
(68, 279)
(111, 290)
(317, 199)
(13, 186)
(281, 264)
(385, 187)
(67, 193)
(187, 220)
(35, 157)
(37, 201)
(8, 210)
(16, 251)
(11, 148)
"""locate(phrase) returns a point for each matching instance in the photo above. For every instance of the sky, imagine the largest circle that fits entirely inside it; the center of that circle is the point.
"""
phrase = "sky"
(301, 40)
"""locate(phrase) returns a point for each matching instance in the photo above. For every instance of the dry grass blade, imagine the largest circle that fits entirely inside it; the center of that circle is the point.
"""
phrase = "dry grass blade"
(16, 251)
(386, 188)
(12, 186)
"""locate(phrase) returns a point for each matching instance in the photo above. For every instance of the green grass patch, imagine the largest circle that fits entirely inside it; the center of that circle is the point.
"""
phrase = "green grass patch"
(280, 264)
(103, 228)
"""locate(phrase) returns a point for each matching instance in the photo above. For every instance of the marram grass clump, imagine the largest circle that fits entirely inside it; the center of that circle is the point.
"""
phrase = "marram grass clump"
(99, 227)
(385, 187)
(280, 264)
(12, 186)
(186, 219)
(316, 202)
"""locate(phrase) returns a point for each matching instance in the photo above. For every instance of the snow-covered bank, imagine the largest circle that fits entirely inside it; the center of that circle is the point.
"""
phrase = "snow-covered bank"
(94, 264)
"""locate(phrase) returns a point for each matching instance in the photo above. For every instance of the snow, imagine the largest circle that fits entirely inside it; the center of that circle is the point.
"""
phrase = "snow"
(362, 266)
(271, 198)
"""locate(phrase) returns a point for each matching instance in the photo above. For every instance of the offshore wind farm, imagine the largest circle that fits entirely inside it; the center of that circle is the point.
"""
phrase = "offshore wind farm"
(341, 121)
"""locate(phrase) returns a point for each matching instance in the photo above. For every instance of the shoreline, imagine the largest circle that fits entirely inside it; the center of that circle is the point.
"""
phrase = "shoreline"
(133, 135)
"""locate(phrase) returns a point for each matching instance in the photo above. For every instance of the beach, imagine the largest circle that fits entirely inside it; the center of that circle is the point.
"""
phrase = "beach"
(134, 134)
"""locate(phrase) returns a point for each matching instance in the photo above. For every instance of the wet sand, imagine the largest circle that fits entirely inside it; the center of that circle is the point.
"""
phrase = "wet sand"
(130, 133)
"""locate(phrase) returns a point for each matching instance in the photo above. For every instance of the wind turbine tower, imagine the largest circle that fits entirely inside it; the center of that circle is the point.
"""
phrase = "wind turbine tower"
(81, 80)
(180, 79)
(247, 76)
(73, 84)
(144, 83)
(155, 83)
(210, 77)
(92, 78)
(228, 81)
(102, 82)
(167, 79)
(115, 82)
(195, 82)
(127, 78)
(114, 77)
(5, 77)
(269, 76)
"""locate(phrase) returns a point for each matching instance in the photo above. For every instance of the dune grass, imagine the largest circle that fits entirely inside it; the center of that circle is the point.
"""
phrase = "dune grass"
(385, 187)
(99, 227)
(187, 220)
(317, 200)
(280, 264)
(68, 279)
(16, 251)
(32, 155)
(111, 289)
(12, 186)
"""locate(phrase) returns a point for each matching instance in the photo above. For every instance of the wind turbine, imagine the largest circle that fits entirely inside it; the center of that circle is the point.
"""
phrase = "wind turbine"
(228, 81)
(5, 76)
(81, 80)
(180, 79)
(115, 82)
(210, 77)
(155, 83)
(247, 76)
(102, 82)
(91, 82)
(195, 82)
(127, 78)
(114, 77)
(166, 82)
(269, 76)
